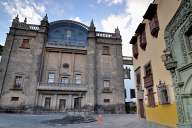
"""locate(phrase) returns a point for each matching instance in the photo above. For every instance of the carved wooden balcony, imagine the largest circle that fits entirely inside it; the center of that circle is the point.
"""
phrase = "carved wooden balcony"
(148, 80)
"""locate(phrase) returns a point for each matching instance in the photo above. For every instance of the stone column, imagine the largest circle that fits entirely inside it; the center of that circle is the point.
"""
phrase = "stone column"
(91, 66)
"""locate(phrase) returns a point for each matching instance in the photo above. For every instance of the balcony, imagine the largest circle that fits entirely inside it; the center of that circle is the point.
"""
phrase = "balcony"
(148, 80)
(62, 87)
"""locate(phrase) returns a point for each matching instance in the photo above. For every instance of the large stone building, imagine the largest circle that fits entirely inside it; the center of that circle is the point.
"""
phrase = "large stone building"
(62, 65)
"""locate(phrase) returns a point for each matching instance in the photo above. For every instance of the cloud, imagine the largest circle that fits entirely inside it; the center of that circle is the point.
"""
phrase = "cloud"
(76, 19)
(127, 21)
(24, 8)
(110, 2)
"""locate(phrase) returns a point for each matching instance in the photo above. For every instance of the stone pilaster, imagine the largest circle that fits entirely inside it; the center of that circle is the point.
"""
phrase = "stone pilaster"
(91, 66)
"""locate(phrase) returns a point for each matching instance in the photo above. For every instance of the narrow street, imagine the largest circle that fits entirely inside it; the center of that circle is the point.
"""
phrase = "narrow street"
(37, 121)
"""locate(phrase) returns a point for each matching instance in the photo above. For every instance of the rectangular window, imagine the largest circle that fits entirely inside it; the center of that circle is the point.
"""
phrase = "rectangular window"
(106, 84)
(106, 100)
(78, 78)
(14, 98)
(143, 40)
(125, 93)
(135, 50)
(162, 91)
(64, 80)
(77, 103)
(106, 50)
(132, 93)
(18, 82)
(25, 44)
(51, 77)
(62, 104)
(148, 70)
(47, 102)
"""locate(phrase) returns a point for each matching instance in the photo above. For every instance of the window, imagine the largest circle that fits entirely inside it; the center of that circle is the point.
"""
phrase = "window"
(132, 93)
(106, 50)
(18, 82)
(125, 93)
(51, 77)
(127, 73)
(62, 104)
(25, 44)
(77, 103)
(138, 78)
(106, 84)
(64, 80)
(68, 33)
(163, 93)
(143, 41)
(148, 78)
(14, 98)
(154, 26)
(47, 102)
(106, 100)
(135, 50)
(65, 65)
(78, 78)
(151, 98)
(148, 70)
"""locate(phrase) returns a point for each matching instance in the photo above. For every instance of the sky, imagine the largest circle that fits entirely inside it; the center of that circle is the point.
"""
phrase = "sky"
(107, 14)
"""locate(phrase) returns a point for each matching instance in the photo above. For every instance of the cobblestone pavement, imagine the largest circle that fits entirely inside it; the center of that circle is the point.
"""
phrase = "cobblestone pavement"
(35, 121)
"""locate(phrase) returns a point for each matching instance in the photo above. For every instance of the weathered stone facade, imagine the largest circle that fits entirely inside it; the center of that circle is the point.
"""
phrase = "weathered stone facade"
(61, 66)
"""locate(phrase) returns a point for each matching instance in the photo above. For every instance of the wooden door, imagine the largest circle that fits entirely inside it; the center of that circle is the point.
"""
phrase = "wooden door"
(141, 108)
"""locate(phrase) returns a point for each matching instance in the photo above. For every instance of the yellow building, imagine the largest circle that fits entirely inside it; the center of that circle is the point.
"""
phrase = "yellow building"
(155, 92)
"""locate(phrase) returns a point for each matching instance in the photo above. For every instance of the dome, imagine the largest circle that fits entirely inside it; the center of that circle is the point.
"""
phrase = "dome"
(67, 33)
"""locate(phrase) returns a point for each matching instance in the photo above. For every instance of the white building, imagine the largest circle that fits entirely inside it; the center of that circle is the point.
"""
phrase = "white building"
(130, 97)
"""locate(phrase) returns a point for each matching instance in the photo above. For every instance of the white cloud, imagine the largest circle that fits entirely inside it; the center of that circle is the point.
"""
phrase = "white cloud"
(76, 19)
(127, 21)
(110, 2)
(24, 8)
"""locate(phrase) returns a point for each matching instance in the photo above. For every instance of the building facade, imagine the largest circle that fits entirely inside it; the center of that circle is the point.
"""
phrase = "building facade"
(154, 85)
(178, 60)
(130, 98)
(61, 66)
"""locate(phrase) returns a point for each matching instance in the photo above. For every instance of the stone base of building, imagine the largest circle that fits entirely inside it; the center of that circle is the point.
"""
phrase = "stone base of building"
(108, 109)
(111, 109)
(185, 125)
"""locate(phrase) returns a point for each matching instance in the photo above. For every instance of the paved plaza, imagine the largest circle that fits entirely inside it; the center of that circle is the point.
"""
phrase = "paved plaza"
(37, 121)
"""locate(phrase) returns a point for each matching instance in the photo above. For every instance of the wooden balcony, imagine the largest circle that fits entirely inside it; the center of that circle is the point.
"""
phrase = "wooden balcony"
(148, 80)
(62, 87)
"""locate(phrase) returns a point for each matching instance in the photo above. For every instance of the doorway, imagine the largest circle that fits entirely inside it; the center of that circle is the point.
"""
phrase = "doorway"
(141, 108)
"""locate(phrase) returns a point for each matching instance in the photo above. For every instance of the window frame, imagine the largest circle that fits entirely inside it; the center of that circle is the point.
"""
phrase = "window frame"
(162, 98)
(106, 50)
(65, 78)
(108, 86)
(48, 78)
(25, 44)
(21, 82)
(80, 79)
